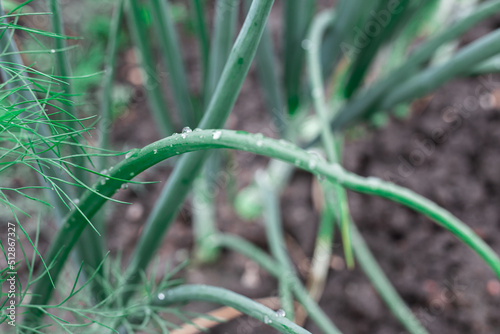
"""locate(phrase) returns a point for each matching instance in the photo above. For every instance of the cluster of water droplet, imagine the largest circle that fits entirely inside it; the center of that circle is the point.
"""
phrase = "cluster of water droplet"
(185, 132)
(279, 314)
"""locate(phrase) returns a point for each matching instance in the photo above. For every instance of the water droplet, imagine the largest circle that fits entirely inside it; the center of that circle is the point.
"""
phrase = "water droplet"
(155, 151)
(197, 130)
(373, 182)
(186, 129)
(52, 51)
(217, 134)
(132, 174)
(267, 320)
(161, 296)
(313, 163)
(306, 44)
(104, 172)
(124, 186)
(76, 201)
(280, 313)
(259, 143)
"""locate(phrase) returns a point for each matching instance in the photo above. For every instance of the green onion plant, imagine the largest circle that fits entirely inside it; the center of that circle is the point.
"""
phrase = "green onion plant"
(332, 69)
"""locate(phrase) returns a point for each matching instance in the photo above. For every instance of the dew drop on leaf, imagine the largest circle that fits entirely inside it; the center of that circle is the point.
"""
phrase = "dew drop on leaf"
(216, 135)
(281, 313)
(312, 164)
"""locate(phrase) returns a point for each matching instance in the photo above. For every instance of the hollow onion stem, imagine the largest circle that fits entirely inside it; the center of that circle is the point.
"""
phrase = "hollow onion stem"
(276, 240)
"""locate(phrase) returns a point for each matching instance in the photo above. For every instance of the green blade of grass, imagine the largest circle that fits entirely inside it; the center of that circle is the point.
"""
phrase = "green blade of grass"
(491, 65)
(225, 297)
(337, 198)
(64, 72)
(152, 83)
(198, 6)
(276, 241)
(361, 65)
(340, 32)
(172, 58)
(419, 26)
(269, 80)
(204, 210)
(433, 77)
(106, 103)
(297, 16)
(226, 15)
(322, 254)
(368, 101)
